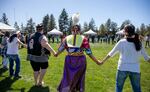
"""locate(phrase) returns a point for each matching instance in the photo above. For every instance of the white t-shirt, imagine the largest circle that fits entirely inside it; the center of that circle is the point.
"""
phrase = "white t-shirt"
(13, 46)
(129, 57)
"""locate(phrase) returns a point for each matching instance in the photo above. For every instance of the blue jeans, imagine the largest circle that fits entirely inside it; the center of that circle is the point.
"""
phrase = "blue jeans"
(13, 58)
(134, 79)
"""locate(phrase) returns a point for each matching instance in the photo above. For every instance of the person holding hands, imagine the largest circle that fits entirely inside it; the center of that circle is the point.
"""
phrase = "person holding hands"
(75, 61)
(130, 49)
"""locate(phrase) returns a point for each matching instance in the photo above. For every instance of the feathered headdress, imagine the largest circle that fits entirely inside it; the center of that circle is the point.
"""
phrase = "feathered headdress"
(75, 18)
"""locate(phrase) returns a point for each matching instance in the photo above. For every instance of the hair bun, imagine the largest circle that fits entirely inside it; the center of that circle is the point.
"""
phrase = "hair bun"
(75, 18)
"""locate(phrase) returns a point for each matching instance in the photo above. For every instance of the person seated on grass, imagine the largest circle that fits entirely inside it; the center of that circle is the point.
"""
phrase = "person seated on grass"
(130, 48)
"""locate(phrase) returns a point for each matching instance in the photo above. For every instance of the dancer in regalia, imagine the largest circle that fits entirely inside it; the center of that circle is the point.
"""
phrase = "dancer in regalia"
(75, 61)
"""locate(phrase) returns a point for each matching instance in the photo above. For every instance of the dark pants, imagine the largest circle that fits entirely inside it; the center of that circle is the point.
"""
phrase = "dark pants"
(13, 58)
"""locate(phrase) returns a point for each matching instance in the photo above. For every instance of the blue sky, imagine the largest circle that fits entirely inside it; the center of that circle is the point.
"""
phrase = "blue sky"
(138, 11)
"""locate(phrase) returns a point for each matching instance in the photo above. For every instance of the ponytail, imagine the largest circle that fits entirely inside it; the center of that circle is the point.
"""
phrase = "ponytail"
(12, 37)
(130, 30)
(137, 42)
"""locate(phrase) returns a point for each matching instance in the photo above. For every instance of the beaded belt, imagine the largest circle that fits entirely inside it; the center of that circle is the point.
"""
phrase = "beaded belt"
(76, 54)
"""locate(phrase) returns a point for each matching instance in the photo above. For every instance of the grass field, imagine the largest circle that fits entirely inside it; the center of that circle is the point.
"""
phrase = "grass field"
(98, 78)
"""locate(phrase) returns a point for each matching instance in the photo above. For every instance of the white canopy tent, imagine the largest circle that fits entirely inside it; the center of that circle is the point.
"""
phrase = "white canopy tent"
(121, 32)
(1, 33)
(4, 27)
(90, 32)
(55, 32)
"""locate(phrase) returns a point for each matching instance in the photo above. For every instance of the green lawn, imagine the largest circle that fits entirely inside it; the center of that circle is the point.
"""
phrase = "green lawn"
(98, 78)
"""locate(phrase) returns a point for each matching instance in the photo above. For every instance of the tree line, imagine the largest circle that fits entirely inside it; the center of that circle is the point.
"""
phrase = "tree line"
(65, 23)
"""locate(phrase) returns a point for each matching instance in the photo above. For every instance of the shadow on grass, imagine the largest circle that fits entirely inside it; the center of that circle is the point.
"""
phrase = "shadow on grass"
(5, 85)
(2, 70)
(39, 89)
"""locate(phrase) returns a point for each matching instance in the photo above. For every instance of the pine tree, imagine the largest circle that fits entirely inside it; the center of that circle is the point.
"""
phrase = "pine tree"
(51, 23)
(4, 19)
(148, 29)
(63, 22)
(138, 30)
(22, 28)
(70, 25)
(45, 23)
(102, 30)
(16, 26)
(30, 28)
(125, 23)
(92, 25)
(143, 29)
(85, 27)
(108, 25)
(113, 28)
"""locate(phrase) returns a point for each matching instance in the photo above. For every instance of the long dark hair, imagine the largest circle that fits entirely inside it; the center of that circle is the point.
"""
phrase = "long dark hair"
(12, 37)
(130, 29)
(7, 34)
(76, 26)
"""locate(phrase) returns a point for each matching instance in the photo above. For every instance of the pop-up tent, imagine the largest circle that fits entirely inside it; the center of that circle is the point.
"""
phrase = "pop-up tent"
(5, 27)
(121, 32)
(1, 33)
(90, 32)
(55, 32)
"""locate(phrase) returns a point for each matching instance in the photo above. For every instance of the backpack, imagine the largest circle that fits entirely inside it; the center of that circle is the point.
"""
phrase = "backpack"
(34, 45)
